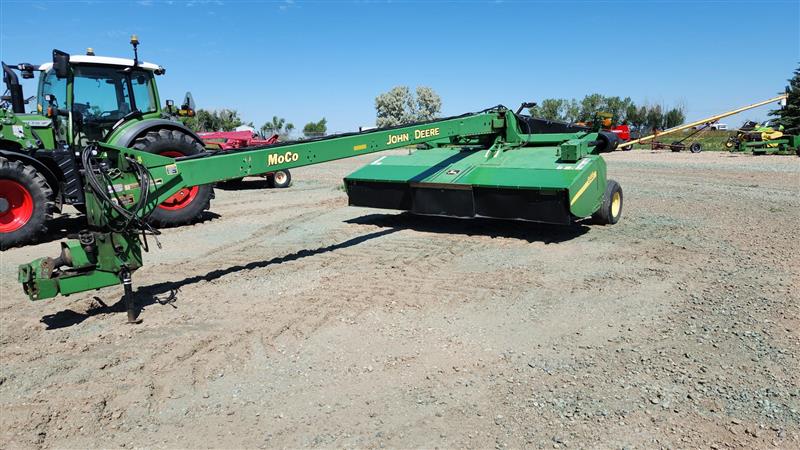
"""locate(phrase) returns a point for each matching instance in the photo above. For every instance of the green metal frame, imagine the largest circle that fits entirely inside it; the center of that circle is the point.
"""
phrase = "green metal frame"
(786, 143)
(103, 257)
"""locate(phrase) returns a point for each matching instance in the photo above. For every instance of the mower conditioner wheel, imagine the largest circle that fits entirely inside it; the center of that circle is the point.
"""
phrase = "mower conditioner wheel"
(611, 209)
(280, 179)
(188, 203)
(26, 203)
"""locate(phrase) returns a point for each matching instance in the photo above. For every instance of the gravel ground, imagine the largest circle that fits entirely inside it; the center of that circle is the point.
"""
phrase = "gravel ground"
(297, 321)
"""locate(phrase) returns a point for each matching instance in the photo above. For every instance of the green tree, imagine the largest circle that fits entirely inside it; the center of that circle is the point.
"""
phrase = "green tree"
(277, 126)
(674, 117)
(429, 104)
(203, 120)
(316, 129)
(789, 115)
(399, 106)
(590, 106)
(572, 111)
(654, 118)
(394, 107)
(552, 109)
(617, 107)
(557, 109)
(222, 120)
(633, 117)
(228, 119)
(639, 118)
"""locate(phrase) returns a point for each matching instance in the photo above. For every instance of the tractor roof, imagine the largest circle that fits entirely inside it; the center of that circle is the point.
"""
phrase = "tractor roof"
(105, 60)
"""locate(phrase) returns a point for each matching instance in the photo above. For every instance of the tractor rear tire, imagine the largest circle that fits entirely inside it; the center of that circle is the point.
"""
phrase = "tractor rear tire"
(188, 204)
(280, 179)
(26, 203)
(611, 209)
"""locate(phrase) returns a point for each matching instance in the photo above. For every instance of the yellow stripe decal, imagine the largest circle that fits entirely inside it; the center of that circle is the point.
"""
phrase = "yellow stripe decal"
(360, 147)
(583, 188)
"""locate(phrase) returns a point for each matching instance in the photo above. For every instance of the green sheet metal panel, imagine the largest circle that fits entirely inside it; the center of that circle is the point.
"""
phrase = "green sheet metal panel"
(532, 168)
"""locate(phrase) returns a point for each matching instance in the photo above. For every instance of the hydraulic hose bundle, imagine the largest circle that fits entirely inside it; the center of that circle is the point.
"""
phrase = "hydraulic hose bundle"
(126, 220)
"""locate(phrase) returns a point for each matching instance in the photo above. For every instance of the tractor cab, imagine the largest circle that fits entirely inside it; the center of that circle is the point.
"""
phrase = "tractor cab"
(83, 99)
(95, 95)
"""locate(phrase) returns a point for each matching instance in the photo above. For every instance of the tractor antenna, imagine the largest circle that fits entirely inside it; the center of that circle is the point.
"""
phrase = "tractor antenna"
(135, 44)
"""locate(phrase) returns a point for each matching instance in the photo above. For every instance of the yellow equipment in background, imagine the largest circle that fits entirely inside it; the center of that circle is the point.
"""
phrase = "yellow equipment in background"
(704, 123)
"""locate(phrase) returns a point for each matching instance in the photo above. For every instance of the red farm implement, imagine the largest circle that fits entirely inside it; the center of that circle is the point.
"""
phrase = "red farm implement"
(234, 140)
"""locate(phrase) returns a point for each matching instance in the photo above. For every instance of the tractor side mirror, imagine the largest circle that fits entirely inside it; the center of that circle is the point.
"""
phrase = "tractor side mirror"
(188, 100)
(61, 63)
(26, 70)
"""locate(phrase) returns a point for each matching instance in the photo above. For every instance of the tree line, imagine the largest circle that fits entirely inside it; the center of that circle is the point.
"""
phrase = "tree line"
(623, 110)
(401, 106)
(228, 120)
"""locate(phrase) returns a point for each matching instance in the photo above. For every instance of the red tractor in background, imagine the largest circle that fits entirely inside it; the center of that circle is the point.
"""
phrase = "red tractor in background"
(229, 140)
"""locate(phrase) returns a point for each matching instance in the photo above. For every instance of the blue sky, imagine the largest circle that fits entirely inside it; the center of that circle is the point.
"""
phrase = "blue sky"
(303, 60)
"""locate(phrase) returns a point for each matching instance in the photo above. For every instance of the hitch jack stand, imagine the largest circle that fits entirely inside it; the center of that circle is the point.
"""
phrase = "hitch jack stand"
(127, 297)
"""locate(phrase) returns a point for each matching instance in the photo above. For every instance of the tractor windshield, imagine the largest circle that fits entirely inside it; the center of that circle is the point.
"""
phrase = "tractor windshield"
(103, 95)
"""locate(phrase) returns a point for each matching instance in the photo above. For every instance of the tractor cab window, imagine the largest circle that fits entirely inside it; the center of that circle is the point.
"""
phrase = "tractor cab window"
(141, 82)
(50, 84)
(100, 94)
(103, 95)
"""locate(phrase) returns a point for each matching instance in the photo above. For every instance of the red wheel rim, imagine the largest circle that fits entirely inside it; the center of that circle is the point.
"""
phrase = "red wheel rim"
(19, 207)
(182, 198)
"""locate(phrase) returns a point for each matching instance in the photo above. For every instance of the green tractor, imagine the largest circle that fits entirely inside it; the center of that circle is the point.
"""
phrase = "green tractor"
(82, 99)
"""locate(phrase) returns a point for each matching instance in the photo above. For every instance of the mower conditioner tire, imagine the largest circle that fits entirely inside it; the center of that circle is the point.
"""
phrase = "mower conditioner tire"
(189, 203)
(26, 203)
(611, 209)
(280, 179)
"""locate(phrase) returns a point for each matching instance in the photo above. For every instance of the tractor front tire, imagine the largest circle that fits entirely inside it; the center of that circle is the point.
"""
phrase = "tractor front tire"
(280, 179)
(26, 203)
(611, 209)
(188, 204)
